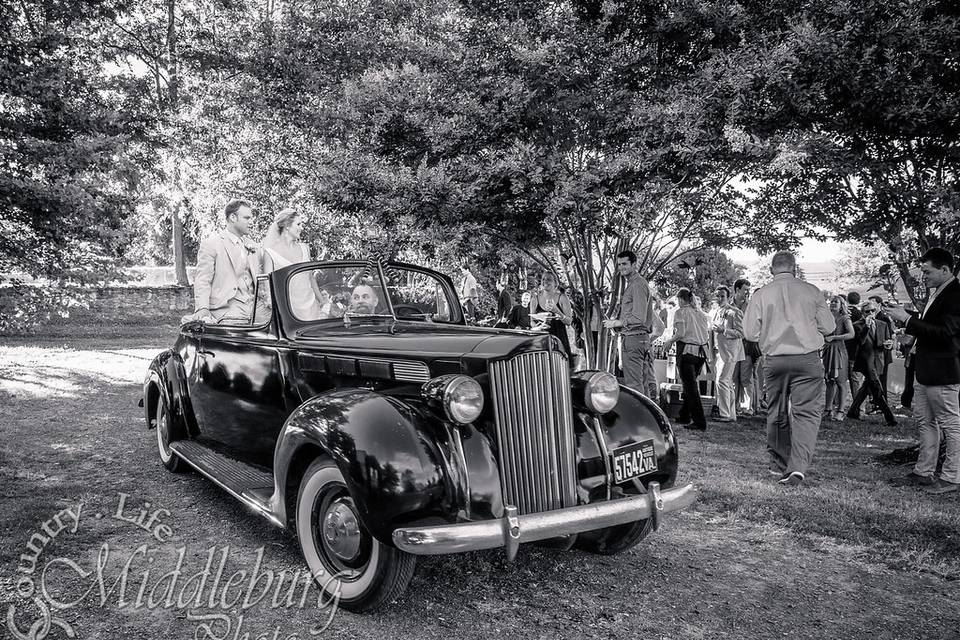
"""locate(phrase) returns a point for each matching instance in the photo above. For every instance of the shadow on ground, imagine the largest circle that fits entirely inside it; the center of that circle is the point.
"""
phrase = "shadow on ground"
(846, 557)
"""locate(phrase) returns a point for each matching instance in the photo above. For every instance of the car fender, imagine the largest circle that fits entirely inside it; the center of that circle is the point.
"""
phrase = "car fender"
(634, 419)
(165, 378)
(394, 458)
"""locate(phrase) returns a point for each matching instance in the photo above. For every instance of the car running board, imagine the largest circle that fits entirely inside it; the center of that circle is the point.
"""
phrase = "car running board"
(246, 483)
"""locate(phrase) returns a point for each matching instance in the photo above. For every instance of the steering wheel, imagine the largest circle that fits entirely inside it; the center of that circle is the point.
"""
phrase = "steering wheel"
(409, 311)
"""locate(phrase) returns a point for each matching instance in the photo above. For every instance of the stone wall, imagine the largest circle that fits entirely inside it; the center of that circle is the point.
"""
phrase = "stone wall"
(142, 301)
(117, 304)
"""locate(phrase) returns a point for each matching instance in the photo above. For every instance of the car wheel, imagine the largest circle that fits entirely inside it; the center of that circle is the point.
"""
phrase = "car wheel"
(349, 564)
(614, 540)
(164, 421)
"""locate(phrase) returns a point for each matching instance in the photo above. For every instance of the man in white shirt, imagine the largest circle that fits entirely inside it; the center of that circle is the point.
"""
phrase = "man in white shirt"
(468, 292)
(789, 318)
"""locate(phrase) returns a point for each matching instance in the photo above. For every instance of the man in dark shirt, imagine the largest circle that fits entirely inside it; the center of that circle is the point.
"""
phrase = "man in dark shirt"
(887, 351)
(872, 335)
(937, 365)
(855, 378)
(743, 372)
(519, 317)
(504, 300)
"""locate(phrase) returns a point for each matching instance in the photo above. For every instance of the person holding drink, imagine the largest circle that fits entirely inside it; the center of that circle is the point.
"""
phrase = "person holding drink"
(873, 337)
(553, 308)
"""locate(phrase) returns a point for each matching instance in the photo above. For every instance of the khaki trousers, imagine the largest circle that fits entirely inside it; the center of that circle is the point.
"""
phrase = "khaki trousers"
(795, 393)
(744, 385)
(938, 410)
(726, 364)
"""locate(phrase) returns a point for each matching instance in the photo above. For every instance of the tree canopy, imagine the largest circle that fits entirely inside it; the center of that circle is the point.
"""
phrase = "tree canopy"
(443, 129)
(858, 107)
(72, 140)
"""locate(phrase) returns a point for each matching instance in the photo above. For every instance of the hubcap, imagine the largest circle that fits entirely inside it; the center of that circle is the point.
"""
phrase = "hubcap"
(341, 530)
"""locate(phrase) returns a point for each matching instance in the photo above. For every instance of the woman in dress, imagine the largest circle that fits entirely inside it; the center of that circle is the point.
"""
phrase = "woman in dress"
(282, 247)
(556, 307)
(836, 358)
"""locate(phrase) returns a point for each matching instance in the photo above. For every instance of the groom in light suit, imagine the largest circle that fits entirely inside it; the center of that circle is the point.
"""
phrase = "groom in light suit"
(227, 267)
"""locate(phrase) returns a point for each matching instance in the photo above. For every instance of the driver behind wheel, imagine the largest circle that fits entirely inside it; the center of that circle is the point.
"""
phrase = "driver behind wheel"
(364, 300)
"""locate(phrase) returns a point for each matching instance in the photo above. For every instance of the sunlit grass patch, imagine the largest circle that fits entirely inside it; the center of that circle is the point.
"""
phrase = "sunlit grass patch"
(846, 499)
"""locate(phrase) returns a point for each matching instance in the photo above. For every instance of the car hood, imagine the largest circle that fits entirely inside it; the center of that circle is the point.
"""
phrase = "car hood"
(421, 340)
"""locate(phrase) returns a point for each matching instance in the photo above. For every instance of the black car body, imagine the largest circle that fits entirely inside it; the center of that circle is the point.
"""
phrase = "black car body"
(363, 433)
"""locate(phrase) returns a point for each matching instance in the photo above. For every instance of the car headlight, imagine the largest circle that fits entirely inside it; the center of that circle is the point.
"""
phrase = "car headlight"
(460, 396)
(601, 392)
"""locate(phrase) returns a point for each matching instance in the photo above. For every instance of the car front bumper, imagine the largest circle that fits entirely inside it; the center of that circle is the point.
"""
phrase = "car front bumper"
(513, 529)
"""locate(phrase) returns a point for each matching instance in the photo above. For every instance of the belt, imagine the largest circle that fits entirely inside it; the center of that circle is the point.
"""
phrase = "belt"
(815, 352)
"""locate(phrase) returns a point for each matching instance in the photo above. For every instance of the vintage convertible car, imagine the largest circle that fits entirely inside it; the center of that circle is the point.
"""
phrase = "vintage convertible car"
(358, 410)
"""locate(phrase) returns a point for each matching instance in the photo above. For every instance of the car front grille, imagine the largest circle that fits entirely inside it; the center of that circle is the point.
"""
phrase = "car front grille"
(534, 423)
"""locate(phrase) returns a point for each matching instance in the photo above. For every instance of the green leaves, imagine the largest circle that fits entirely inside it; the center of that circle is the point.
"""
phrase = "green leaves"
(857, 103)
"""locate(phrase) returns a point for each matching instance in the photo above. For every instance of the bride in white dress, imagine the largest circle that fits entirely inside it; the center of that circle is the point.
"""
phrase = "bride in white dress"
(282, 247)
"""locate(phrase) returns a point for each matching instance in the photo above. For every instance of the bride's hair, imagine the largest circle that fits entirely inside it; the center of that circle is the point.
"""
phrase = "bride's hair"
(280, 222)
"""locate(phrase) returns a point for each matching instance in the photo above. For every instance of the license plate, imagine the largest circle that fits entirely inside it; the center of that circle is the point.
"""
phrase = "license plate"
(633, 461)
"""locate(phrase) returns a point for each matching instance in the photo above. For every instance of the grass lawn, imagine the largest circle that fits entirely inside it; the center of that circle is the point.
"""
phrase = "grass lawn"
(847, 556)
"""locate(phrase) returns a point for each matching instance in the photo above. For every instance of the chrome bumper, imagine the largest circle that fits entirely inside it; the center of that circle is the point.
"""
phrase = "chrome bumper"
(512, 529)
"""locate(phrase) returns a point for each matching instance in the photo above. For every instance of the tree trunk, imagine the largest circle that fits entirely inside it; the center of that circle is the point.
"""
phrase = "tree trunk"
(173, 95)
(179, 261)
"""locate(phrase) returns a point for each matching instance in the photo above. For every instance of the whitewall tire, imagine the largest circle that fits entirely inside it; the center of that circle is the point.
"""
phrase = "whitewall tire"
(354, 569)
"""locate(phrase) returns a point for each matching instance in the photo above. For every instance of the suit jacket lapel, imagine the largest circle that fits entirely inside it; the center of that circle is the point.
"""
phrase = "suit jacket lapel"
(940, 298)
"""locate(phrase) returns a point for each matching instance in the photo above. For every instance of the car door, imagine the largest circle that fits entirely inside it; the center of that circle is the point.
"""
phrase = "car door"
(238, 390)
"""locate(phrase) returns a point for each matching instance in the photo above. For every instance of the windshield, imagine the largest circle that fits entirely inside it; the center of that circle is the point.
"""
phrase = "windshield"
(335, 291)
(418, 295)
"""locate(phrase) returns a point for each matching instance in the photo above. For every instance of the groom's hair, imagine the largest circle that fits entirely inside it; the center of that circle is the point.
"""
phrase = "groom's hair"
(233, 206)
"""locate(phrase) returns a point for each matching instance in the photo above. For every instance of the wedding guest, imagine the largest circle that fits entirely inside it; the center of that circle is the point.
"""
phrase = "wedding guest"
(854, 378)
(664, 312)
(282, 248)
(835, 358)
(909, 371)
(519, 317)
(469, 295)
(227, 266)
(788, 318)
(743, 373)
(658, 328)
(504, 300)
(871, 335)
(937, 367)
(329, 307)
(595, 313)
(760, 398)
(691, 334)
(635, 321)
(888, 346)
(726, 325)
(576, 331)
(550, 300)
